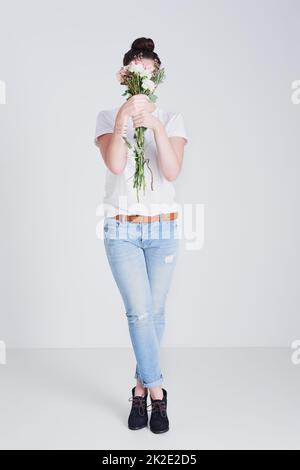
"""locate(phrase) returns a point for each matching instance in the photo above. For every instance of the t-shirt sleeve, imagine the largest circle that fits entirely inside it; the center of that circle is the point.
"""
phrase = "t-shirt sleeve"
(176, 127)
(104, 125)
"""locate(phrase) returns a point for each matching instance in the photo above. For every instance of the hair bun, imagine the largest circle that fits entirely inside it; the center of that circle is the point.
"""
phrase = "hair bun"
(143, 44)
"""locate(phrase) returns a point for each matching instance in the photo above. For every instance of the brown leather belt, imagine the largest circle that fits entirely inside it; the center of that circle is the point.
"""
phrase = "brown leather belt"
(146, 218)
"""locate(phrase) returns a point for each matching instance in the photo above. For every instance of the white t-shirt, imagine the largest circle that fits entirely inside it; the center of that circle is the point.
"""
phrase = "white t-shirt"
(120, 196)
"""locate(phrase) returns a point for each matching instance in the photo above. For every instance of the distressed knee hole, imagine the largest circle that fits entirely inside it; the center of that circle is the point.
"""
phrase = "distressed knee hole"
(142, 317)
(169, 258)
(135, 318)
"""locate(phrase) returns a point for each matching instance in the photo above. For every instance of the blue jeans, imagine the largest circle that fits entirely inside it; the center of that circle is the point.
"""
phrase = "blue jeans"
(142, 257)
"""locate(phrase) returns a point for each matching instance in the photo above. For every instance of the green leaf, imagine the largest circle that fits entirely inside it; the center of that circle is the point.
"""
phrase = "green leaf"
(127, 142)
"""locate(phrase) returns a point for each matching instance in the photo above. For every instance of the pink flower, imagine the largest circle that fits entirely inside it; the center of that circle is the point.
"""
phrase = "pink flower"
(121, 73)
(119, 76)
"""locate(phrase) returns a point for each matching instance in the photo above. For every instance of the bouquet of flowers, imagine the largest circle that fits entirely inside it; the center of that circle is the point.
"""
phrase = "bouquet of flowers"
(140, 78)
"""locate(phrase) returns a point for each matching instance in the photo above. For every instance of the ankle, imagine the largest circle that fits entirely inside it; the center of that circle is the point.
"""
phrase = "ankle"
(156, 393)
(140, 390)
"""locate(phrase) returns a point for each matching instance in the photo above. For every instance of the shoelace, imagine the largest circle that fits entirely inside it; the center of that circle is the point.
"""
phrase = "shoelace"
(138, 402)
(158, 406)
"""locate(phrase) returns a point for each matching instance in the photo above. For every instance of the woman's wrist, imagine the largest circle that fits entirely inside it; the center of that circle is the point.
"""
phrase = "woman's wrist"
(158, 126)
(121, 124)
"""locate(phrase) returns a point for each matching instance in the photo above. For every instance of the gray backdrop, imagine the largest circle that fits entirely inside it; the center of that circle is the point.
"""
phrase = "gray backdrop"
(230, 66)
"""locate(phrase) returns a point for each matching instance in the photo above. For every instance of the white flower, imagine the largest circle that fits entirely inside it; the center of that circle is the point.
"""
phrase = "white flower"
(136, 68)
(148, 84)
(147, 74)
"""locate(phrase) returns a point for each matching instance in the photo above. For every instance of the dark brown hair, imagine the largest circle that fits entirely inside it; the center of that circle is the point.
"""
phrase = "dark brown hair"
(141, 47)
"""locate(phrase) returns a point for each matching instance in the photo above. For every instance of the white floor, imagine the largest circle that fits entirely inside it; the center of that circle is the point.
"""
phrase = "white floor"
(218, 399)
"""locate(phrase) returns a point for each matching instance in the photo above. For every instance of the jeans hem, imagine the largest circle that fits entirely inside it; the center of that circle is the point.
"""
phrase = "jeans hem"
(155, 383)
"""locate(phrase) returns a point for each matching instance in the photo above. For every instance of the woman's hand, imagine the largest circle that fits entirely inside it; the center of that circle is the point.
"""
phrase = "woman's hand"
(135, 105)
(145, 119)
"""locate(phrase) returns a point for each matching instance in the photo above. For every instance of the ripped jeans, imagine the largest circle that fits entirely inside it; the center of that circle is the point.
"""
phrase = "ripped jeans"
(142, 257)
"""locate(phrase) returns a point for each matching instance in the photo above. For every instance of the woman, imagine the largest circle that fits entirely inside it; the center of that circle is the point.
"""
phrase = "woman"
(141, 238)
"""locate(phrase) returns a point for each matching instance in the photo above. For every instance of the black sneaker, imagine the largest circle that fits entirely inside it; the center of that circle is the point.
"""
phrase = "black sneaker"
(138, 417)
(159, 421)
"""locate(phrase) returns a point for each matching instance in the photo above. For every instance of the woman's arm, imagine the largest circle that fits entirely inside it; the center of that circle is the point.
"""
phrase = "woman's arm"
(170, 152)
(169, 149)
(112, 145)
